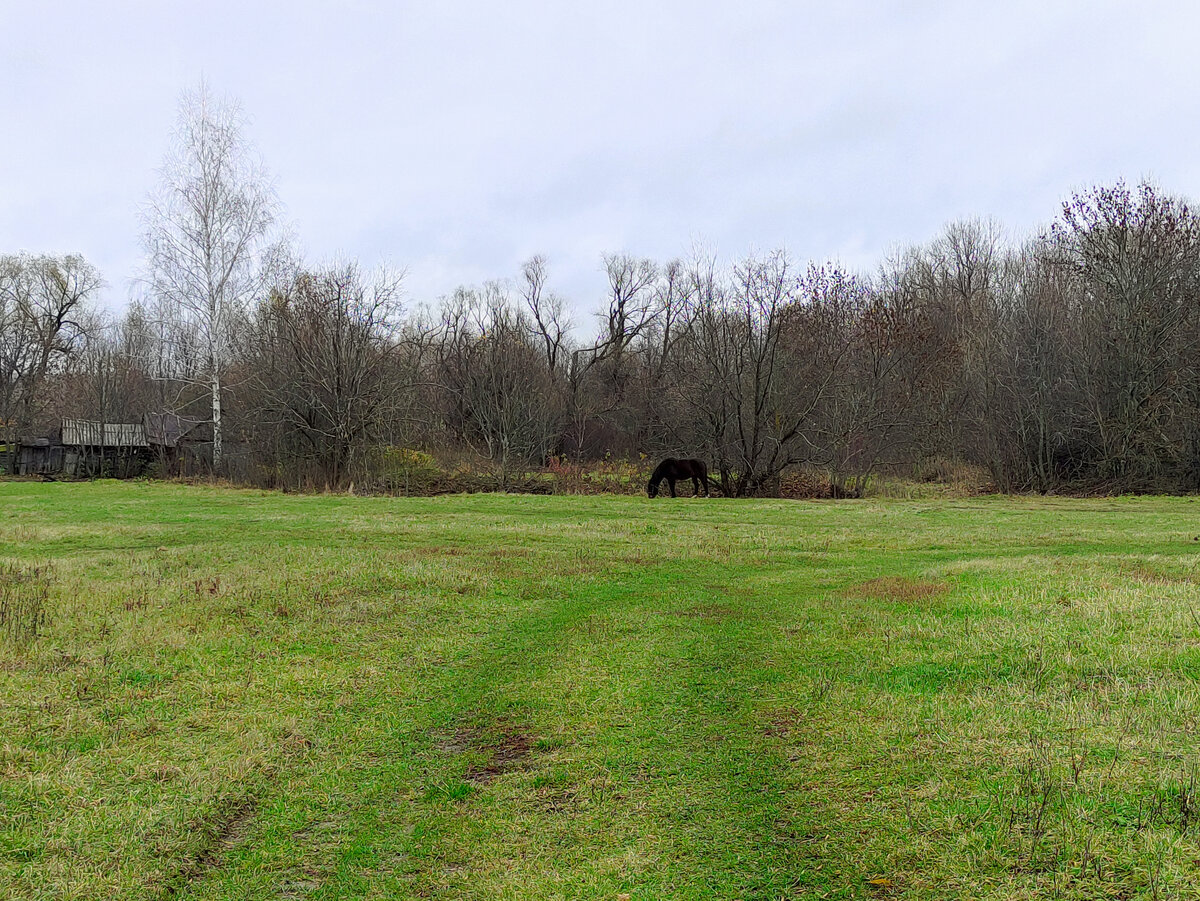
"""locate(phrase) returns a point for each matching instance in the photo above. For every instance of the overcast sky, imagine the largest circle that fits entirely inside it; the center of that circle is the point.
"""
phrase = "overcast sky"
(456, 139)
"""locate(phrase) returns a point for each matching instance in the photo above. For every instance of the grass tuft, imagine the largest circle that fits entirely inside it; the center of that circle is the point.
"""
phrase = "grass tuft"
(24, 602)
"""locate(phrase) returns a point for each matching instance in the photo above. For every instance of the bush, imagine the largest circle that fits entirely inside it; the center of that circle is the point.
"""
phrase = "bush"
(606, 476)
(805, 483)
(403, 470)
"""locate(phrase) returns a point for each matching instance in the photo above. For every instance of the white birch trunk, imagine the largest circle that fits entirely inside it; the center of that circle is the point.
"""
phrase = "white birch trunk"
(216, 418)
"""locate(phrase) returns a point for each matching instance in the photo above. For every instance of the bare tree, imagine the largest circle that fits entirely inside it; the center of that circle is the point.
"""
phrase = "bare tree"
(320, 352)
(548, 310)
(631, 302)
(657, 395)
(1134, 262)
(489, 363)
(206, 227)
(43, 317)
(754, 367)
(599, 375)
(1033, 416)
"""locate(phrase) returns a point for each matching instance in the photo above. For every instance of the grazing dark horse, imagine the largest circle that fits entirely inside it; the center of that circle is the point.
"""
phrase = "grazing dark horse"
(672, 469)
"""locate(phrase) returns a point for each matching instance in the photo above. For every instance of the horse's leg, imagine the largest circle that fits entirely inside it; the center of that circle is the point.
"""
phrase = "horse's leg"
(671, 482)
(695, 486)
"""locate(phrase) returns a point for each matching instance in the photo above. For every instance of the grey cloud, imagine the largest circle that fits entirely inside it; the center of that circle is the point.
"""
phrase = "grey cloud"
(456, 139)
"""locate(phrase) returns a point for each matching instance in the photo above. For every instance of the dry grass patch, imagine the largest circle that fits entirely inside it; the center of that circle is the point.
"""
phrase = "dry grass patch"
(897, 589)
(508, 752)
(1149, 574)
(705, 611)
(498, 751)
(504, 553)
(782, 723)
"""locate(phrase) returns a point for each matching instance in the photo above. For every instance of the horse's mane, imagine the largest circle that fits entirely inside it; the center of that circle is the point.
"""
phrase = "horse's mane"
(661, 468)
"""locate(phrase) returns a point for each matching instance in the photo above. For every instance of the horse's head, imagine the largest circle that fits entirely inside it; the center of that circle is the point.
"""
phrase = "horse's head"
(652, 488)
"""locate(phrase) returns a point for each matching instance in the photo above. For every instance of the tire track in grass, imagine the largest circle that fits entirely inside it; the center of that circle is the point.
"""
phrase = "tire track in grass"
(371, 750)
(227, 827)
(693, 760)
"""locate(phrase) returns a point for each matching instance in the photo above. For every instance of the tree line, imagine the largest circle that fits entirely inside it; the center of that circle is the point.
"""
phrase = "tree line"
(1068, 361)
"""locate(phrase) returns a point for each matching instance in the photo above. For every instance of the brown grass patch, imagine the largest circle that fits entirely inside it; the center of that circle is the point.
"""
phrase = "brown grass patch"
(508, 752)
(703, 611)
(504, 751)
(897, 589)
(505, 552)
(558, 799)
(783, 723)
(439, 550)
(1149, 574)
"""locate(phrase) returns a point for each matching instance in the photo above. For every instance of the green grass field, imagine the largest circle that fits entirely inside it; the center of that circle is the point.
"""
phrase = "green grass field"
(248, 695)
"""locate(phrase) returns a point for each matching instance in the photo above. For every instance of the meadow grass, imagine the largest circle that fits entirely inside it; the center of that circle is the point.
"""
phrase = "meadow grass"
(239, 694)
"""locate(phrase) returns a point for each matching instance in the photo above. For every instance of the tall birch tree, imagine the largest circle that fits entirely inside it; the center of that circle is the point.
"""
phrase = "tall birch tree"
(207, 226)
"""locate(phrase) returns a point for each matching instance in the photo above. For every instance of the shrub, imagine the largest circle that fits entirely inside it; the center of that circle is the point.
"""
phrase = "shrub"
(805, 483)
(607, 476)
(403, 470)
